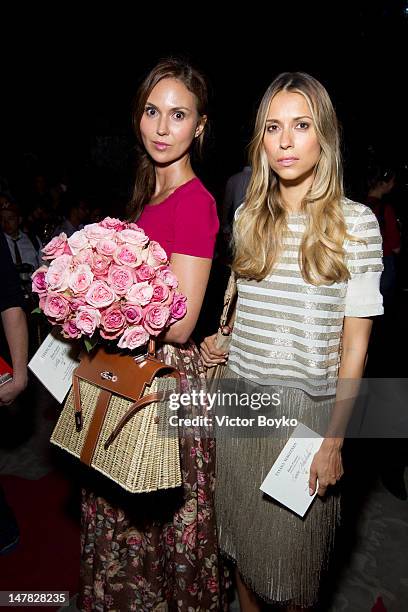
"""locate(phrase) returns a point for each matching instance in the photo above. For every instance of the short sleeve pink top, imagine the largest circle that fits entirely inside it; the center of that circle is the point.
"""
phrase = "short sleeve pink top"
(186, 222)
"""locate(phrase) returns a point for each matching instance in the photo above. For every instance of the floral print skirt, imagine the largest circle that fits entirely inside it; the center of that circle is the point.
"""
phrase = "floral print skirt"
(156, 551)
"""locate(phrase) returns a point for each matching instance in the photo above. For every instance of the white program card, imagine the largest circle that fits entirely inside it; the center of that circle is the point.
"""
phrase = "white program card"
(54, 363)
(288, 479)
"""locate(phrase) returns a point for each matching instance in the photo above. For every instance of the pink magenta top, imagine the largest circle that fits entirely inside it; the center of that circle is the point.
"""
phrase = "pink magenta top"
(186, 222)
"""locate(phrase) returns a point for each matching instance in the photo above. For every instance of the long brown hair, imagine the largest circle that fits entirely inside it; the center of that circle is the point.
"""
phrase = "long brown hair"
(259, 229)
(195, 82)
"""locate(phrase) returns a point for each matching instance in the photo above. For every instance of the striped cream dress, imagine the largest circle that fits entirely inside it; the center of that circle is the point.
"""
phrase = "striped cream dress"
(286, 338)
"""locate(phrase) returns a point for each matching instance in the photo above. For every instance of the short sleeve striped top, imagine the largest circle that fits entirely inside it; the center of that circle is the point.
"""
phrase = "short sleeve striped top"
(286, 330)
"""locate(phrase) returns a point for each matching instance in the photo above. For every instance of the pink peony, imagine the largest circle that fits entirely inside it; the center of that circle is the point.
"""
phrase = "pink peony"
(134, 236)
(112, 223)
(70, 330)
(128, 255)
(112, 322)
(106, 246)
(140, 293)
(39, 284)
(55, 306)
(155, 317)
(55, 247)
(160, 291)
(133, 337)
(167, 276)
(100, 295)
(120, 278)
(87, 319)
(78, 241)
(133, 313)
(155, 255)
(100, 265)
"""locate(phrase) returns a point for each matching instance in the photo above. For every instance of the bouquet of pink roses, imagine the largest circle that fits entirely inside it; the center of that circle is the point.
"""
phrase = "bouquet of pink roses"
(109, 281)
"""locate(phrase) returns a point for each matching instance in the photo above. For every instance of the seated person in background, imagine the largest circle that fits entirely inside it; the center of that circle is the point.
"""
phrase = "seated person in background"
(76, 212)
(24, 249)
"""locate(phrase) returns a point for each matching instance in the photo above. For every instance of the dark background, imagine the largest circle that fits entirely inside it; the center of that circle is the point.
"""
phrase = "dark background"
(68, 79)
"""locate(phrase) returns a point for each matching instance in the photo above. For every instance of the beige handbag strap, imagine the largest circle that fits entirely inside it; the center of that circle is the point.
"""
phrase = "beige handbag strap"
(230, 299)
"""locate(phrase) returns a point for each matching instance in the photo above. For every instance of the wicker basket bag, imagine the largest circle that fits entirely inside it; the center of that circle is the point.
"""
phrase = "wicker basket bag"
(116, 420)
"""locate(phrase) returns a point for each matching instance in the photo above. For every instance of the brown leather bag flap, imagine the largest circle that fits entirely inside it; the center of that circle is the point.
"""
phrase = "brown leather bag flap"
(121, 374)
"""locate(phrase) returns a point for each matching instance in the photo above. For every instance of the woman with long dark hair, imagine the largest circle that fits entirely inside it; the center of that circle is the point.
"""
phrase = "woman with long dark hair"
(159, 551)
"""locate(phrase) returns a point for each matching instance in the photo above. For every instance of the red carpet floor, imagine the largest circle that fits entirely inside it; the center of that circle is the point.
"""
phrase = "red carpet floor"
(47, 556)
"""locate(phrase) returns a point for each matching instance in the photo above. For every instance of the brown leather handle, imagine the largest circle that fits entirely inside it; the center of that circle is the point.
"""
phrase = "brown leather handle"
(134, 409)
(151, 351)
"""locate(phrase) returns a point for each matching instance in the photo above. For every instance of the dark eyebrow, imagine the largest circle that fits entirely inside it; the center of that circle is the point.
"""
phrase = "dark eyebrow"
(294, 119)
(176, 108)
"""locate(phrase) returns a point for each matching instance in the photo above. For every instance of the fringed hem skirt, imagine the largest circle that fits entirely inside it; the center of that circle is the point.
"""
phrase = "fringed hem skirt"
(279, 555)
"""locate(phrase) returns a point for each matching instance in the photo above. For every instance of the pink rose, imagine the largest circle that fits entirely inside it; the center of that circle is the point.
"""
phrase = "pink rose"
(112, 323)
(100, 265)
(112, 223)
(160, 291)
(70, 330)
(106, 246)
(167, 276)
(133, 313)
(155, 317)
(95, 232)
(133, 337)
(100, 295)
(57, 275)
(212, 585)
(178, 308)
(189, 536)
(78, 241)
(83, 257)
(155, 255)
(193, 589)
(87, 319)
(80, 279)
(56, 307)
(140, 293)
(39, 284)
(63, 262)
(120, 278)
(134, 236)
(145, 272)
(76, 302)
(134, 538)
(170, 540)
(128, 255)
(55, 247)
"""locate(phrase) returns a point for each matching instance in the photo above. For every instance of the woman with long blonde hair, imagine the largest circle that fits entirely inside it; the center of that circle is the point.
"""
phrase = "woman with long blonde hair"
(308, 263)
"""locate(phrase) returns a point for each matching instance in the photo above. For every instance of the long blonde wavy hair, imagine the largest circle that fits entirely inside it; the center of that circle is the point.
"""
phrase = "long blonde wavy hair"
(260, 226)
